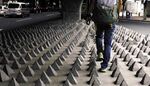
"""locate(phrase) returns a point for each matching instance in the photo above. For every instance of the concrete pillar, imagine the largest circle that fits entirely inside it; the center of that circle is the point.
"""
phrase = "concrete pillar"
(71, 9)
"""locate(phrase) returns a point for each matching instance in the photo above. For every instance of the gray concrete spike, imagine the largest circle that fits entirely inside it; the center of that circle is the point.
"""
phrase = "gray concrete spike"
(78, 61)
(91, 65)
(29, 71)
(114, 65)
(3, 76)
(148, 43)
(81, 58)
(116, 49)
(39, 82)
(45, 78)
(27, 48)
(55, 66)
(13, 82)
(147, 50)
(37, 51)
(127, 58)
(68, 51)
(28, 57)
(59, 62)
(49, 54)
(23, 51)
(63, 58)
(71, 78)
(75, 72)
(77, 66)
(53, 51)
(145, 80)
(93, 72)
(67, 83)
(123, 54)
(36, 66)
(4, 61)
(50, 71)
(143, 47)
(123, 83)
(45, 57)
(134, 67)
(41, 61)
(140, 72)
(33, 54)
(144, 59)
(131, 49)
(22, 60)
(115, 72)
(41, 48)
(130, 62)
(92, 79)
(96, 82)
(147, 63)
(8, 70)
(140, 54)
(119, 79)
(56, 48)
(119, 51)
(45, 46)
(135, 51)
(16, 65)
(17, 53)
(21, 78)
(12, 57)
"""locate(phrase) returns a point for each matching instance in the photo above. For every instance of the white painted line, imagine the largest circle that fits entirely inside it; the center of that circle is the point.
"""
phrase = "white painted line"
(49, 14)
(23, 19)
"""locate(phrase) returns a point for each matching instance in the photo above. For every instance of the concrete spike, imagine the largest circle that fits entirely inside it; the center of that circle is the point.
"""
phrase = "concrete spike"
(49, 54)
(115, 72)
(75, 72)
(140, 54)
(114, 65)
(123, 54)
(33, 54)
(77, 66)
(41, 61)
(23, 51)
(55, 66)
(68, 51)
(41, 48)
(119, 51)
(37, 51)
(53, 51)
(130, 62)
(123, 83)
(29, 71)
(3, 76)
(81, 58)
(67, 83)
(12, 57)
(8, 70)
(28, 57)
(21, 78)
(127, 58)
(59, 62)
(78, 61)
(4, 61)
(45, 57)
(15, 65)
(13, 82)
(144, 59)
(39, 82)
(134, 67)
(50, 71)
(17, 53)
(135, 51)
(147, 50)
(92, 79)
(56, 48)
(93, 72)
(45, 46)
(96, 82)
(71, 78)
(22, 60)
(148, 43)
(63, 58)
(140, 72)
(45, 78)
(36, 66)
(145, 80)
(147, 63)
(119, 79)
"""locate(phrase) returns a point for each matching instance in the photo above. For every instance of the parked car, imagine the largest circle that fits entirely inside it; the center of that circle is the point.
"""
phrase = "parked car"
(18, 9)
(3, 9)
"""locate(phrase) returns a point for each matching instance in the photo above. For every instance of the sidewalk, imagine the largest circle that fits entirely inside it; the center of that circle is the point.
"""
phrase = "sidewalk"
(135, 18)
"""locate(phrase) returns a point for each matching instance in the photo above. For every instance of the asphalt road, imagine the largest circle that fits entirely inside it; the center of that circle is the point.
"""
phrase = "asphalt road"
(141, 27)
(13, 22)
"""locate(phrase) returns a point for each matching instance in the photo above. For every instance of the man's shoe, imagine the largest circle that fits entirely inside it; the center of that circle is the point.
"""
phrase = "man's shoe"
(100, 57)
(103, 70)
